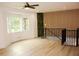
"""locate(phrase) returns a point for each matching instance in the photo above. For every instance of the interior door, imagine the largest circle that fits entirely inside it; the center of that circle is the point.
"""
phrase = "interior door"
(40, 24)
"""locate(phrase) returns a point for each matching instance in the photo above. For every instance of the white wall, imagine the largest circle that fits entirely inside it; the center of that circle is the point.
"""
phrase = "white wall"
(2, 32)
(8, 38)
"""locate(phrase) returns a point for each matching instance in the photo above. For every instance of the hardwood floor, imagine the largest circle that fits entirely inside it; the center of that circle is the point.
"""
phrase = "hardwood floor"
(39, 47)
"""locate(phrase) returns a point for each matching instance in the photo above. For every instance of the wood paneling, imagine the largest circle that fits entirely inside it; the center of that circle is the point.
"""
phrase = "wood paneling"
(62, 19)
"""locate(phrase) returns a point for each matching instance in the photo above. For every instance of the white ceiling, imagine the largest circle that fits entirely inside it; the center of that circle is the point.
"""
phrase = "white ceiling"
(43, 6)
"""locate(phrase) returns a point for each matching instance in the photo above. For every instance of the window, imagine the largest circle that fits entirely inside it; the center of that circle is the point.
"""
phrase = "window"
(17, 23)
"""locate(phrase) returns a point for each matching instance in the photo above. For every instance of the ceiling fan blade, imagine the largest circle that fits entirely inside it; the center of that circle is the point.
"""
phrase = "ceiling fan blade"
(25, 6)
(32, 7)
(27, 3)
(35, 5)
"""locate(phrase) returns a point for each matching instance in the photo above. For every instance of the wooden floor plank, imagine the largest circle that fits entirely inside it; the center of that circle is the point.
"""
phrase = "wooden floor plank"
(39, 47)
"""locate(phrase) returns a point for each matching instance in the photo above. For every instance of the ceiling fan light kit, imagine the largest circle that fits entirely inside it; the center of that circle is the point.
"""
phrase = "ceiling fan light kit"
(27, 8)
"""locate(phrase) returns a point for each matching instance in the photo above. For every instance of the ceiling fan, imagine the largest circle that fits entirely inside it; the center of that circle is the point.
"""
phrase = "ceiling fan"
(27, 6)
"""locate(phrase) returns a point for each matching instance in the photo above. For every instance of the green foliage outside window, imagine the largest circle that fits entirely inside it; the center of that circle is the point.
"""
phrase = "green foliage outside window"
(17, 24)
